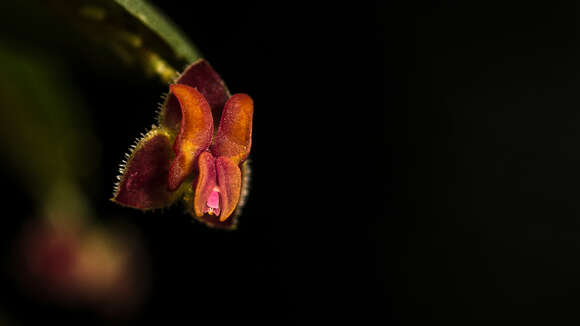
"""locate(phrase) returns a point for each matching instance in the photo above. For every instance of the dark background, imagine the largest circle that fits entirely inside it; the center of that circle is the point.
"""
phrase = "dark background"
(412, 164)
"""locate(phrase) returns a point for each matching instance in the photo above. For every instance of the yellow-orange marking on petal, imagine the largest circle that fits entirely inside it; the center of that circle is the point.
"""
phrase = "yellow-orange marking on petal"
(194, 135)
(234, 135)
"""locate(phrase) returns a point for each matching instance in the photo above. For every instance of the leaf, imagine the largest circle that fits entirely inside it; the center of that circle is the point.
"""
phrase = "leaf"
(45, 135)
(162, 26)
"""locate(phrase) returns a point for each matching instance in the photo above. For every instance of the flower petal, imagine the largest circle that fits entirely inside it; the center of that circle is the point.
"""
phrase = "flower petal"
(143, 180)
(199, 75)
(194, 134)
(229, 179)
(205, 183)
(231, 223)
(234, 135)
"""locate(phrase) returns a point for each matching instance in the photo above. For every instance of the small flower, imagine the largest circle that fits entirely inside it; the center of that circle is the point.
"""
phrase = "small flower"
(186, 157)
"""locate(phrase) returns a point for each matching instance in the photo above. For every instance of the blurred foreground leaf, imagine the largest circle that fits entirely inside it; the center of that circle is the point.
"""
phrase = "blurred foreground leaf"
(136, 32)
(44, 134)
(162, 26)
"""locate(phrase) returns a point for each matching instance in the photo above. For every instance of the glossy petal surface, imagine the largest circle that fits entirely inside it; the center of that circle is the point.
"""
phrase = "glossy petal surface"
(229, 179)
(194, 136)
(205, 183)
(198, 75)
(234, 135)
(143, 183)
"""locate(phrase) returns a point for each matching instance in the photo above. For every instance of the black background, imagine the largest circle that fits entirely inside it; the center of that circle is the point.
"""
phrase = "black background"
(310, 244)
(412, 164)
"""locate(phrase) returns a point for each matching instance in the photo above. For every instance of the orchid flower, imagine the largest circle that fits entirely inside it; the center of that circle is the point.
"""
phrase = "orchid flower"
(186, 157)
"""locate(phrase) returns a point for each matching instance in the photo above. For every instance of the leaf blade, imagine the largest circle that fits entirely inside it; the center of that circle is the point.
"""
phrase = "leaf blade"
(162, 26)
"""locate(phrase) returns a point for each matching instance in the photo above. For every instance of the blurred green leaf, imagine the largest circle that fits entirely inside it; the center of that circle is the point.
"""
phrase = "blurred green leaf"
(44, 134)
(163, 27)
(132, 30)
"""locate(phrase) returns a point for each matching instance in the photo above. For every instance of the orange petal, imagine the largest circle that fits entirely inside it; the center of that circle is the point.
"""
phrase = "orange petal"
(206, 182)
(234, 135)
(199, 75)
(229, 179)
(194, 134)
